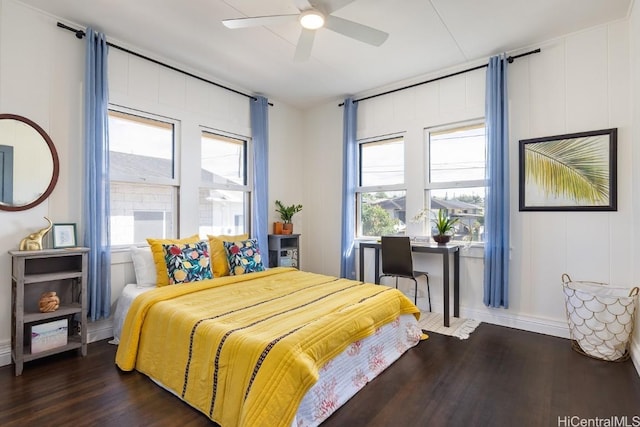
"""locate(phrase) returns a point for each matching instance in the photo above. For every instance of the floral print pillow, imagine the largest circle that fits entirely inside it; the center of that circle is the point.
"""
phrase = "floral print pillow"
(187, 262)
(244, 256)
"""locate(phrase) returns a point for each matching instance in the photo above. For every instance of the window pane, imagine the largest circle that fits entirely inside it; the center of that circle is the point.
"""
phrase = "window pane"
(222, 211)
(139, 147)
(139, 211)
(382, 213)
(457, 154)
(223, 159)
(382, 162)
(467, 204)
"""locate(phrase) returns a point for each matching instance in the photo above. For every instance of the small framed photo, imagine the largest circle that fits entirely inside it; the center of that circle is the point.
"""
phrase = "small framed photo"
(64, 235)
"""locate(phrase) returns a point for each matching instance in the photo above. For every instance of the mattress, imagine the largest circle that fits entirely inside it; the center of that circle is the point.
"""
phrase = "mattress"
(339, 378)
(129, 293)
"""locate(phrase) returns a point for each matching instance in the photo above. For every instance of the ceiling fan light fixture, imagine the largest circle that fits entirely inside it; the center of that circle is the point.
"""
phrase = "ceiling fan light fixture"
(311, 19)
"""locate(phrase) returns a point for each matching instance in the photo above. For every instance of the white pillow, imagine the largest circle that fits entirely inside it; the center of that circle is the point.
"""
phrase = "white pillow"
(144, 266)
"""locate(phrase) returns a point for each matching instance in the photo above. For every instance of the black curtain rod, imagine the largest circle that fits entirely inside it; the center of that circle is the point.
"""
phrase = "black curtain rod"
(509, 59)
(80, 34)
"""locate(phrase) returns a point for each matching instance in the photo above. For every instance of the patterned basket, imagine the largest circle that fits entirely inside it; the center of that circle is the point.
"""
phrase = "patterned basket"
(600, 318)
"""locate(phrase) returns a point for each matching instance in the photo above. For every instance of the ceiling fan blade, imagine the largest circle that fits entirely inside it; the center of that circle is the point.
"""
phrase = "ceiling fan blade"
(330, 6)
(303, 5)
(356, 31)
(258, 21)
(305, 43)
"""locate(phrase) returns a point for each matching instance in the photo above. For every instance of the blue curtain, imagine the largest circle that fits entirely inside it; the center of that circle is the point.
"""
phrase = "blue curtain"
(496, 247)
(96, 176)
(349, 177)
(260, 136)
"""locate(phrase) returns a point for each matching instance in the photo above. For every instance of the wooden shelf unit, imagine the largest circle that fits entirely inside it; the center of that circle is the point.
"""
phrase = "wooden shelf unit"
(35, 272)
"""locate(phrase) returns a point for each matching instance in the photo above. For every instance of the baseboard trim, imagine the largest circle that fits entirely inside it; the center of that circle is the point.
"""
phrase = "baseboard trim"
(5, 353)
(502, 317)
(635, 355)
(100, 330)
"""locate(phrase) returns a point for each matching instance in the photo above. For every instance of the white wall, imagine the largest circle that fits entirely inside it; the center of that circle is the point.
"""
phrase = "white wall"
(577, 83)
(41, 77)
(580, 82)
(286, 178)
(322, 174)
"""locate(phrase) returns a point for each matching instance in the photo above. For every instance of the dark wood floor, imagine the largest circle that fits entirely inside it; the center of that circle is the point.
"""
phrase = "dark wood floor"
(498, 377)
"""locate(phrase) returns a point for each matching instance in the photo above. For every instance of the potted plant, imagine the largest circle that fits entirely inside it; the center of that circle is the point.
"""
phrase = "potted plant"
(286, 215)
(444, 225)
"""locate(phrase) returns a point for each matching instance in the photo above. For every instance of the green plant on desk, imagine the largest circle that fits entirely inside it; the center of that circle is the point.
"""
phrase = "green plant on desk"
(444, 223)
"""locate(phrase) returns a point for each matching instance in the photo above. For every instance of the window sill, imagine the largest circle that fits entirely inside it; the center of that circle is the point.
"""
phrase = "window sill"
(474, 250)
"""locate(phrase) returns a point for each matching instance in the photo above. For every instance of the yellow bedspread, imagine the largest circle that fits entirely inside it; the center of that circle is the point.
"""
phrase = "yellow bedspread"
(245, 349)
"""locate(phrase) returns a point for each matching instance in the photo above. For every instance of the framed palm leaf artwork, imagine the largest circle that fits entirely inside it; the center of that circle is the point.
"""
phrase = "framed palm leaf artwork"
(573, 172)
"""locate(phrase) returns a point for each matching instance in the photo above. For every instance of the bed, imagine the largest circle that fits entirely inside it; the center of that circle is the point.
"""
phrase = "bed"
(275, 348)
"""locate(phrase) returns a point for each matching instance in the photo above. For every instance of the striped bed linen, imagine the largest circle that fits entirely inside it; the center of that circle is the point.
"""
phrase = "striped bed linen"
(245, 350)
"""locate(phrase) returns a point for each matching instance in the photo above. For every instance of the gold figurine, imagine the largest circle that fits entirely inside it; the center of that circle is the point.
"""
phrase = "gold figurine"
(33, 242)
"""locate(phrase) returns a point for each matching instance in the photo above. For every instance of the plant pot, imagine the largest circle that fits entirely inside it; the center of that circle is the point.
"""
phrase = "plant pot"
(287, 228)
(277, 228)
(442, 239)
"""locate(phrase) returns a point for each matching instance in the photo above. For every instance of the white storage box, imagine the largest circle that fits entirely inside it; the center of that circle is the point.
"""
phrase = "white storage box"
(286, 261)
(49, 335)
(292, 254)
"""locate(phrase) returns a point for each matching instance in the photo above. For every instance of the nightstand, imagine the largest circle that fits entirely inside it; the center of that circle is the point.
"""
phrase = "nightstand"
(35, 334)
(284, 250)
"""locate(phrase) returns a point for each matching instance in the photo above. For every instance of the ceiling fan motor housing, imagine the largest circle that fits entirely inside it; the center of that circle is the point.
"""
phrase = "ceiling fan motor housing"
(312, 19)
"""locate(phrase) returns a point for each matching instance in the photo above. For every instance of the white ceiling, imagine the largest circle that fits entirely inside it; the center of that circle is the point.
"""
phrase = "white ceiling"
(425, 36)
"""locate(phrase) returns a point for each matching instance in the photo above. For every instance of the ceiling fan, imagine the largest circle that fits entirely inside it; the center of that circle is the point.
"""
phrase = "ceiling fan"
(314, 15)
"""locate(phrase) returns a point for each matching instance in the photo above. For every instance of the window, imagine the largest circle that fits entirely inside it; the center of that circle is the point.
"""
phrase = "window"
(456, 178)
(225, 194)
(381, 190)
(143, 178)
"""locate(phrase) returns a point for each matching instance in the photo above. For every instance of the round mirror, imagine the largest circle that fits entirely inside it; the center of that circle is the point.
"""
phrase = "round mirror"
(28, 163)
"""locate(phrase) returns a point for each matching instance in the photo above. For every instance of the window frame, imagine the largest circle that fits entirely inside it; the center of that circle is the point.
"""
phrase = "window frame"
(173, 182)
(430, 186)
(247, 187)
(361, 189)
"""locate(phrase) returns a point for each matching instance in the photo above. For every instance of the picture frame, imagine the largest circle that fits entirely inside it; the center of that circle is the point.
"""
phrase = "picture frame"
(64, 235)
(570, 172)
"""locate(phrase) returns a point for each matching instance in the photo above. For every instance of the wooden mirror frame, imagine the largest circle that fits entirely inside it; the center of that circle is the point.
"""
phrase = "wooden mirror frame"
(54, 157)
